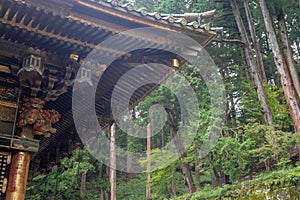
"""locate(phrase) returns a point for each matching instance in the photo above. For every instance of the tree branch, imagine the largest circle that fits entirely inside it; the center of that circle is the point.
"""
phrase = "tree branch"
(229, 41)
(235, 102)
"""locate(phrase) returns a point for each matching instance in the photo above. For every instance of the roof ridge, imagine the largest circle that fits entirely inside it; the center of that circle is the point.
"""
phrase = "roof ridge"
(188, 20)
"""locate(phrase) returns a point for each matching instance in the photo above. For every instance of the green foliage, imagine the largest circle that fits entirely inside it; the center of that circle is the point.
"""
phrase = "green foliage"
(249, 109)
(278, 107)
(276, 180)
(63, 181)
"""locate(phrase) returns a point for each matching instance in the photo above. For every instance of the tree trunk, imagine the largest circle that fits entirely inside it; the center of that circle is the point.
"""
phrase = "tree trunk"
(83, 185)
(188, 180)
(197, 168)
(107, 196)
(287, 52)
(298, 47)
(112, 171)
(162, 138)
(100, 174)
(215, 178)
(253, 66)
(162, 145)
(148, 185)
(173, 184)
(130, 141)
(129, 156)
(255, 42)
(102, 194)
(165, 188)
(197, 176)
(247, 66)
(182, 154)
(282, 68)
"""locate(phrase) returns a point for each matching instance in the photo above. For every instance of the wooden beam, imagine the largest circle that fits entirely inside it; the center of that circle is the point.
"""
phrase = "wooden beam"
(59, 37)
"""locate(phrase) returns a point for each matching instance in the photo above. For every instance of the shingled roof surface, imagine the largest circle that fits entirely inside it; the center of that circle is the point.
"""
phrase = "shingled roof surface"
(180, 20)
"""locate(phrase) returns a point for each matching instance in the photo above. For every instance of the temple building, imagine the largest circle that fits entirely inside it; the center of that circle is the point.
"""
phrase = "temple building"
(42, 45)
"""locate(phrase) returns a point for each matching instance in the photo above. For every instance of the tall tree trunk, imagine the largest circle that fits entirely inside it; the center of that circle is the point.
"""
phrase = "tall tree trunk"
(255, 42)
(247, 66)
(83, 185)
(286, 49)
(298, 47)
(163, 144)
(130, 141)
(102, 194)
(100, 174)
(162, 138)
(282, 68)
(215, 177)
(197, 168)
(129, 155)
(188, 180)
(173, 183)
(148, 185)
(107, 195)
(253, 66)
(112, 171)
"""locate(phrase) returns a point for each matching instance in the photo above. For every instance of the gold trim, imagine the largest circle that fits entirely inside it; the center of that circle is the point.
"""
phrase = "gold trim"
(5, 69)
(8, 104)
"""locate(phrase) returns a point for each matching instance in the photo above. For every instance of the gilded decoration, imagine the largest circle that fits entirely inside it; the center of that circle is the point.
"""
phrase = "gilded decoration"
(32, 113)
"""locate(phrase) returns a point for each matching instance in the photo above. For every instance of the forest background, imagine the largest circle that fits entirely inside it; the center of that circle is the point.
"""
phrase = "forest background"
(258, 56)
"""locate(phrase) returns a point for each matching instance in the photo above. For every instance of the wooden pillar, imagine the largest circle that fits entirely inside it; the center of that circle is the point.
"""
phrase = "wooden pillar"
(29, 121)
(17, 181)
(112, 171)
(148, 184)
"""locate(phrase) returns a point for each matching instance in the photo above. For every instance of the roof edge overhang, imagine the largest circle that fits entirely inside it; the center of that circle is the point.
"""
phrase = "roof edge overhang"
(71, 9)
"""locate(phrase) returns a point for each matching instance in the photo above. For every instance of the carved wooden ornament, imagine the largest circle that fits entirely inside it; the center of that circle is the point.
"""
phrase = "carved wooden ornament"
(32, 113)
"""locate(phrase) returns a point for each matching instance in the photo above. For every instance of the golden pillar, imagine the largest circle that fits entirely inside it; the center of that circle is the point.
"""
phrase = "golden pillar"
(32, 120)
(19, 170)
(18, 176)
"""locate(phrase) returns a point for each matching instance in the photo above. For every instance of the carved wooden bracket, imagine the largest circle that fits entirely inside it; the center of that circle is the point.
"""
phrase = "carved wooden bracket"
(32, 113)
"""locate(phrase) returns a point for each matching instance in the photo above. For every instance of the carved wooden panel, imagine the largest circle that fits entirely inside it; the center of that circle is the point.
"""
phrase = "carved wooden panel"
(8, 104)
(8, 94)
(7, 114)
(6, 127)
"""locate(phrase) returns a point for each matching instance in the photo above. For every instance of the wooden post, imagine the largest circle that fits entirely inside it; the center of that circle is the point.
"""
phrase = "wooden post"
(112, 170)
(17, 181)
(148, 184)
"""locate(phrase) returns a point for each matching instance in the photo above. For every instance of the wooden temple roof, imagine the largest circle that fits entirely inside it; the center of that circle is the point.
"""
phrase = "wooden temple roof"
(60, 28)
(74, 25)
